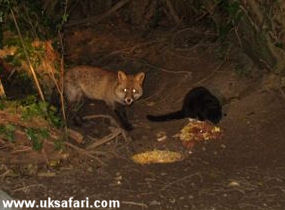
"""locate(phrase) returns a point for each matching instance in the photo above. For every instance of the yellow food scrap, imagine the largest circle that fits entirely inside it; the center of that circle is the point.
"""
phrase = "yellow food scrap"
(216, 129)
(157, 156)
(196, 131)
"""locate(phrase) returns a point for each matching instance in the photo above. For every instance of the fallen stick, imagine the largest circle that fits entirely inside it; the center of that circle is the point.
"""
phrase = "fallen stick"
(84, 152)
(2, 91)
(180, 180)
(26, 188)
(78, 137)
(188, 73)
(26, 149)
(81, 151)
(112, 120)
(104, 140)
(135, 204)
(2, 176)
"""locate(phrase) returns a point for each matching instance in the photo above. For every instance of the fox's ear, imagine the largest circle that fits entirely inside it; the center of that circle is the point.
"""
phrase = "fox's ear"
(122, 76)
(140, 77)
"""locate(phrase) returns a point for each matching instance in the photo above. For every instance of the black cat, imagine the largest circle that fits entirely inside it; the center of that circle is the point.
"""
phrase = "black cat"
(199, 103)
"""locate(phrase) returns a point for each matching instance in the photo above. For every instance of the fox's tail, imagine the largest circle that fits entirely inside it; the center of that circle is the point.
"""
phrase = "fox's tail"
(166, 117)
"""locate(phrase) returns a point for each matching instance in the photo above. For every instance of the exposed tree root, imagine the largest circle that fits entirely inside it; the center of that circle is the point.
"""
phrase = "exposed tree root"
(99, 18)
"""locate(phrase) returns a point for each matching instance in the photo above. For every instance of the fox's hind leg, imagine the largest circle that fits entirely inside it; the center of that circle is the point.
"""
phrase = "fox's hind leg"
(73, 95)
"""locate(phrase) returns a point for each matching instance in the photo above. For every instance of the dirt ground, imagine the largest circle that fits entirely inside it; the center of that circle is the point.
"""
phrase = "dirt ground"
(243, 170)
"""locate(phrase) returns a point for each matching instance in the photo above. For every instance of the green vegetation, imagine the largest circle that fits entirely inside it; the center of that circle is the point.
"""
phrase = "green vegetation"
(31, 107)
(8, 131)
(37, 136)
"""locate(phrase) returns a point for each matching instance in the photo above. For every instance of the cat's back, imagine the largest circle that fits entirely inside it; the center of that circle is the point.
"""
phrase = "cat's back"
(197, 95)
(200, 98)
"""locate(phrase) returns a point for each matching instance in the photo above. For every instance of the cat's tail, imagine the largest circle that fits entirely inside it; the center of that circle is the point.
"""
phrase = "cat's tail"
(166, 117)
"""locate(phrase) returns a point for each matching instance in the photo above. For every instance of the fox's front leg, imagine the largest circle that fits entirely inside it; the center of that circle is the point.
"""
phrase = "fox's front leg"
(120, 111)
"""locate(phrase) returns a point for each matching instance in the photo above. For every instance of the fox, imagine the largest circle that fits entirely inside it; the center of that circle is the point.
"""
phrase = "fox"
(116, 89)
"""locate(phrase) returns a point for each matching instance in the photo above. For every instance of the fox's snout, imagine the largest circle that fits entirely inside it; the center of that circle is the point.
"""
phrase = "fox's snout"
(129, 100)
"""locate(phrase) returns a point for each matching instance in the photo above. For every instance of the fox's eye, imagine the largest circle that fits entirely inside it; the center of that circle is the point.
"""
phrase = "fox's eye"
(134, 90)
(125, 90)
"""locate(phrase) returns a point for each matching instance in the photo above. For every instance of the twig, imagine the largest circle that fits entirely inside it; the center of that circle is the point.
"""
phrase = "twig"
(180, 180)
(81, 151)
(28, 58)
(112, 120)
(188, 49)
(26, 188)
(99, 18)
(5, 174)
(46, 174)
(44, 153)
(130, 49)
(192, 31)
(61, 88)
(135, 204)
(104, 140)
(282, 92)
(201, 16)
(157, 93)
(172, 12)
(90, 117)
(27, 149)
(101, 153)
(189, 74)
(210, 75)
(2, 141)
(75, 135)
(2, 91)
(238, 37)
(84, 152)
(249, 18)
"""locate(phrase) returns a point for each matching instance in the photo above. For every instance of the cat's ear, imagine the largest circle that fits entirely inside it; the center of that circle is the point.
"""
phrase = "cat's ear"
(140, 77)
